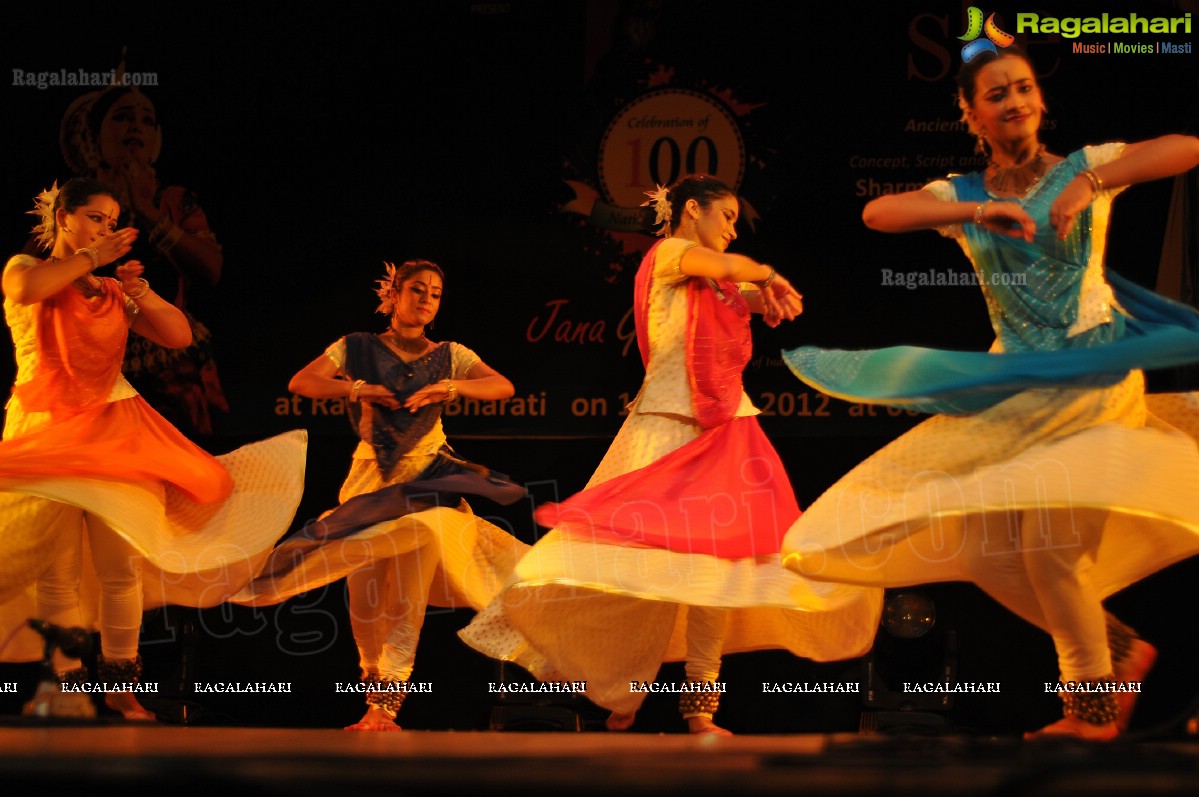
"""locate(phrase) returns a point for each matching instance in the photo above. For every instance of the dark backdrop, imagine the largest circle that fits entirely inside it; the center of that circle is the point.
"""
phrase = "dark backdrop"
(324, 139)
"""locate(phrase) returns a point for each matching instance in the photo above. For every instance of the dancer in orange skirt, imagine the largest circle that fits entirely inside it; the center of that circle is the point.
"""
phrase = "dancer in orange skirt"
(97, 490)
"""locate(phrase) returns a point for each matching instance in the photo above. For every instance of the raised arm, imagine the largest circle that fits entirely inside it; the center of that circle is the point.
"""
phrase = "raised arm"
(322, 379)
(157, 319)
(481, 382)
(1139, 162)
(29, 281)
(777, 300)
(1151, 160)
(923, 210)
(915, 210)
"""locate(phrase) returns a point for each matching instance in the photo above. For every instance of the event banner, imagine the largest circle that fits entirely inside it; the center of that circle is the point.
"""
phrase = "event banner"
(520, 163)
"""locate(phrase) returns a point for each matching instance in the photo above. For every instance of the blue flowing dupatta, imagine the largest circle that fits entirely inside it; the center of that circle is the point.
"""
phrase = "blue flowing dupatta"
(1032, 290)
(391, 433)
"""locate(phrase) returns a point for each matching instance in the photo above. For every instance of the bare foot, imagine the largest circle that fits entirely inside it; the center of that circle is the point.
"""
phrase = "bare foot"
(619, 722)
(1134, 668)
(705, 725)
(130, 709)
(375, 719)
(1077, 728)
(373, 726)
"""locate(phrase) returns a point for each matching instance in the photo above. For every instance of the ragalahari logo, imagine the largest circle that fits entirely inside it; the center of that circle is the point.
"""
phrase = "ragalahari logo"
(975, 27)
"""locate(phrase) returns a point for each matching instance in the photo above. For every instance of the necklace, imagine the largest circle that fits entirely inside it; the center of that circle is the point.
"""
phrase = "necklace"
(410, 345)
(1016, 180)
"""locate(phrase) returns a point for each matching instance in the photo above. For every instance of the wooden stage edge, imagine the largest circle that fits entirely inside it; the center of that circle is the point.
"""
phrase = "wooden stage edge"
(43, 759)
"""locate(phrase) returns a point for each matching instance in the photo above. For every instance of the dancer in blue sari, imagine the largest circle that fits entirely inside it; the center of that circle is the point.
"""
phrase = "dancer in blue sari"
(1047, 476)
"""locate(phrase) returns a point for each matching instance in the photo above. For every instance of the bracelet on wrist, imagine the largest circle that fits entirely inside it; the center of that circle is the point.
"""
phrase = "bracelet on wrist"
(355, 388)
(766, 283)
(978, 212)
(1093, 179)
(92, 253)
(143, 287)
(451, 388)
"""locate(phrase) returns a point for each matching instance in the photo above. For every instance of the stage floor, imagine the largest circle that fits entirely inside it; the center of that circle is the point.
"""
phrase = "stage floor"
(54, 759)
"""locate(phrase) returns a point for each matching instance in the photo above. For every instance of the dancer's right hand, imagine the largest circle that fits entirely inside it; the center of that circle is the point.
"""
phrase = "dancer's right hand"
(115, 246)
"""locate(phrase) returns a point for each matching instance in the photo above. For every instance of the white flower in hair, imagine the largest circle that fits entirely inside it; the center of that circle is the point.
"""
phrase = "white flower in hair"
(43, 208)
(660, 199)
(386, 290)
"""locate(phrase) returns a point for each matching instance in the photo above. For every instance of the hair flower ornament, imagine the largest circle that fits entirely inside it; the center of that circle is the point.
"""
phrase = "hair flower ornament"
(659, 198)
(43, 208)
(386, 290)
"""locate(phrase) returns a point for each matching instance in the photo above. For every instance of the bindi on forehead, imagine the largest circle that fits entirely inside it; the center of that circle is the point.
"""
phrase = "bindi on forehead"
(99, 209)
(1005, 73)
(1011, 79)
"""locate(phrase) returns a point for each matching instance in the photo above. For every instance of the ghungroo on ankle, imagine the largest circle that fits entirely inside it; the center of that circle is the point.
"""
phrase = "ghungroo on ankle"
(122, 671)
(74, 677)
(386, 695)
(697, 701)
(1097, 707)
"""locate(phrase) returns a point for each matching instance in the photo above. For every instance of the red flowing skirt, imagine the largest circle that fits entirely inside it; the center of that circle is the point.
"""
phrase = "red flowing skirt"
(724, 494)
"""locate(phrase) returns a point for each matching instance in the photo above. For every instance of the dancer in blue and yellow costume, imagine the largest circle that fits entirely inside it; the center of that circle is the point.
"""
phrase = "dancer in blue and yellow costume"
(404, 536)
(1047, 476)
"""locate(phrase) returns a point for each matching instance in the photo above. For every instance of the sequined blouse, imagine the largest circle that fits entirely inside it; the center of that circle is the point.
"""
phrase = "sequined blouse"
(1049, 294)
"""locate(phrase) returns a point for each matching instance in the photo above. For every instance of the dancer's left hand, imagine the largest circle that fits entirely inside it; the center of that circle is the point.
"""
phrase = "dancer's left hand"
(127, 273)
(429, 394)
(1074, 199)
(780, 302)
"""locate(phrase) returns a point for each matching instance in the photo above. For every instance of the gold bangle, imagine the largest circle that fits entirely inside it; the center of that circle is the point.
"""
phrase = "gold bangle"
(142, 289)
(766, 283)
(92, 253)
(354, 388)
(978, 212)
(451, 388)
(1093, 179)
